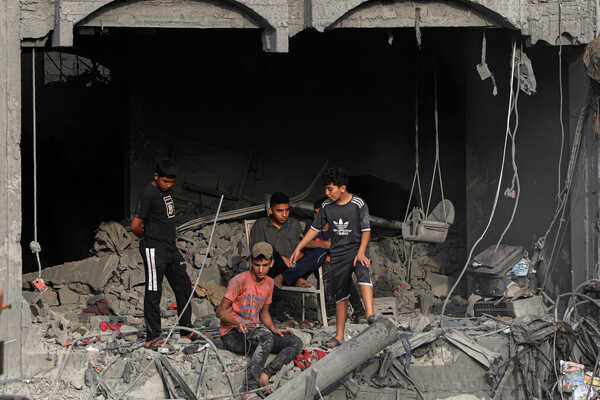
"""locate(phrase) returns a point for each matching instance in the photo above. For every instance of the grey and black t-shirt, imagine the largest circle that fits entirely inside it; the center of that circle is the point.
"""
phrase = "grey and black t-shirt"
(346, 222)
(157, 209)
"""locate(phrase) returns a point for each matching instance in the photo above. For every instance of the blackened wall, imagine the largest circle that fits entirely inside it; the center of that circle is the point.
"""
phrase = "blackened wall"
(81, 138)
(537, 149)
(347, 96)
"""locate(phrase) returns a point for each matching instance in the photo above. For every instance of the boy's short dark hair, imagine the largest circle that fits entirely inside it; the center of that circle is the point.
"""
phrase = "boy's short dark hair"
(166, 168)
(319, 202)
(279, 198)
(335, 176)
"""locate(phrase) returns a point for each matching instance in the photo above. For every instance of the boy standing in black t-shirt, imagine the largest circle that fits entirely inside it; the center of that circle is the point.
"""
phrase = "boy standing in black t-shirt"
(348, 215)
(156, 210)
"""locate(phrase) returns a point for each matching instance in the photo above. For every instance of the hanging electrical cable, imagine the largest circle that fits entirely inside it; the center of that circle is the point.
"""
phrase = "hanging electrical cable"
(515, 183)
(495, 203)
(34, 245)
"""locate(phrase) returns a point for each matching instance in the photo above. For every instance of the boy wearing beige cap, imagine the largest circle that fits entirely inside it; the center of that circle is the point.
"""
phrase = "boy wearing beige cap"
(247, 299)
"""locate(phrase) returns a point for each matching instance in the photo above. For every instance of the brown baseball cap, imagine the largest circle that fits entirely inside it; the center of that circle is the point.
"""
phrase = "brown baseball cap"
(262, 249)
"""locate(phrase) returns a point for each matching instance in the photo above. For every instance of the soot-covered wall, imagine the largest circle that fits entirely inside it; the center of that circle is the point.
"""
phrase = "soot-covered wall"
(81, 137)
(538, 146)
(248, 123)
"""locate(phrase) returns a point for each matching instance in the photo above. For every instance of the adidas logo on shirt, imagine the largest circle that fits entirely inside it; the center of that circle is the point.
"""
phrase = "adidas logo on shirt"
(341, 228)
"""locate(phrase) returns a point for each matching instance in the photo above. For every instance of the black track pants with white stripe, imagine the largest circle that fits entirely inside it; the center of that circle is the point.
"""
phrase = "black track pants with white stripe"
(159, 262)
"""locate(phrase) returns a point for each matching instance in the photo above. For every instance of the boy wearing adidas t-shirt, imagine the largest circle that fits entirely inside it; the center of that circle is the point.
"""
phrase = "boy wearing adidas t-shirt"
(348, 215)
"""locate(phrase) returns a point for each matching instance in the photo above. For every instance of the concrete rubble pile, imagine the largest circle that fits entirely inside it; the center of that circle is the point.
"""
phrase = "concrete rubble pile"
(114, 274)
(91, 317)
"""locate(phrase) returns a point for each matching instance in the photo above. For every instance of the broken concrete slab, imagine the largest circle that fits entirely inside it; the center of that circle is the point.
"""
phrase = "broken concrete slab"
(67, 296)
(215, 293)
(530, 306)
(440, 284)
(201, 308)
(112, 237)
(94, 271)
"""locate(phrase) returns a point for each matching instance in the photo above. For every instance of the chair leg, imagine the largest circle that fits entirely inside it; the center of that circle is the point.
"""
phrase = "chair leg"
(322, 299)
(303, 316)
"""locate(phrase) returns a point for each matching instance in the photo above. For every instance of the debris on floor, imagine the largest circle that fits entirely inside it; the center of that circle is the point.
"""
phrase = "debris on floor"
(503, 342)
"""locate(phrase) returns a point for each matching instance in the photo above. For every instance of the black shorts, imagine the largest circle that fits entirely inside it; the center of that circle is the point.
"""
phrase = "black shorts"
(341, 268)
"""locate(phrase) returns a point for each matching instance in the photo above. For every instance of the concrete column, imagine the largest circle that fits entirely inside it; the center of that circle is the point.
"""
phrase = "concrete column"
(10, 183)
(584, 207)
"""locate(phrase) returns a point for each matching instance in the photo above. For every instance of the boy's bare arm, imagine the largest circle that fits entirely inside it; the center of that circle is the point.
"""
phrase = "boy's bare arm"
(310, 235)
(136, 226)
(265, 317)
(360, 254)
(225, 315)
(318, 244)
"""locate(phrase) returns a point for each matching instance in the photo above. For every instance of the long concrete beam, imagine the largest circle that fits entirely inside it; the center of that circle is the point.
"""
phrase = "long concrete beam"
(339, 362)
(536, 20)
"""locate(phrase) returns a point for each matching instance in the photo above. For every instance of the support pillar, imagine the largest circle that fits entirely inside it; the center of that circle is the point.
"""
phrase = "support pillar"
(10, 184)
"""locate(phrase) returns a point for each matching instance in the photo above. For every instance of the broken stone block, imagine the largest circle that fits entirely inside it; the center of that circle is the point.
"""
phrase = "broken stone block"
(389, 250)
(31, 297)
(418, 324)
(111, 237)
(201, 308)
(304, 336)
(211, 275)
(215, 293)
(425, 303)
(94, 271)
(67, 296)
(49, 298)
(440, 284)
(531, 306)
(137, 276)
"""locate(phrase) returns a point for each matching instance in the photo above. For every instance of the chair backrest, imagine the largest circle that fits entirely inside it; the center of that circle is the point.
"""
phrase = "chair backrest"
(248, 224)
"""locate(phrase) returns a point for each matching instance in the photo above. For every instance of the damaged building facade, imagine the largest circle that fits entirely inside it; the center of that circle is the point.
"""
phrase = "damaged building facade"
(252, 97)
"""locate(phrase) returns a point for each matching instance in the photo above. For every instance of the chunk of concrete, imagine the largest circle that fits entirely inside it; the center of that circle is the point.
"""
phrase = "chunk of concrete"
(67, 296)
(215, 293)
(49, 298)
(531, 306)
(94, 271)
(201, 308)
(440, 284)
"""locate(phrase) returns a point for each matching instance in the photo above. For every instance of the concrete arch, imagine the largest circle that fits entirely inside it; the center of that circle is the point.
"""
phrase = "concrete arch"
(271, 17)
(327, 14)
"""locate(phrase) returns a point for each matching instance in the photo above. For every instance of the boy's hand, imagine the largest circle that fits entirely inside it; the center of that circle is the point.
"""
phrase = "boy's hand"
(288, 262)
(242, 327)
(361, 258)
(295, 256)
(280, 332)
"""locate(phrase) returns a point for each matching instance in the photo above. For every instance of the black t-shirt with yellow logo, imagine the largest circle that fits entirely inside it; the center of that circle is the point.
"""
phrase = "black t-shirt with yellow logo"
(157, 209)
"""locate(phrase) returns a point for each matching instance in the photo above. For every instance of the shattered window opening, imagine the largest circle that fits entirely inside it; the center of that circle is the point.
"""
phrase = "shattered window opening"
(66, 69)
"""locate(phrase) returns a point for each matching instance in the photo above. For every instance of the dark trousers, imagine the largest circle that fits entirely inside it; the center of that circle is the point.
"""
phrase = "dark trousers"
(312, 260)
(259, 342)
(161, 261)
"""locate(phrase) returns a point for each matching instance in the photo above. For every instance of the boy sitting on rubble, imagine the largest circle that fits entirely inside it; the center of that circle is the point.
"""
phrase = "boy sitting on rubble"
(349, 216)
(247, 298)
(282, 232)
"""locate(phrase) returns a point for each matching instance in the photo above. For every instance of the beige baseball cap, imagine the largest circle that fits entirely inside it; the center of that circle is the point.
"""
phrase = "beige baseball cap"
(262, 248)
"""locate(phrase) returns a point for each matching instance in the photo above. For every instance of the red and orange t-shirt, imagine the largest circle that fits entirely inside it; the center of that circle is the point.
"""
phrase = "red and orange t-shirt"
(247, 297)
